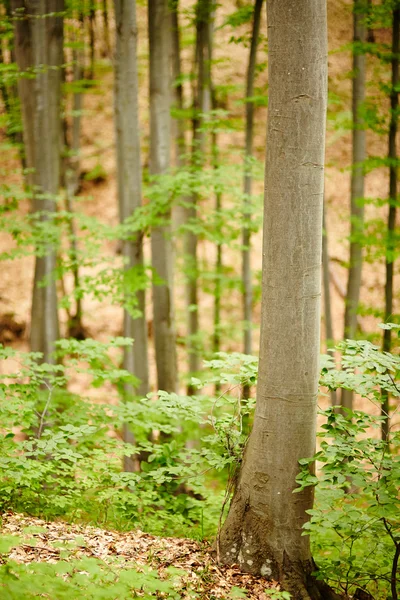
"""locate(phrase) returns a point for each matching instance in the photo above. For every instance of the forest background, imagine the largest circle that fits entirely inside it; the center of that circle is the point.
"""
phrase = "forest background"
(68, 414)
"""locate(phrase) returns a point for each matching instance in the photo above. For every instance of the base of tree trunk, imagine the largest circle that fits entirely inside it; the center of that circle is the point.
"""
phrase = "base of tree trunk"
(248, 538)
(300, 583)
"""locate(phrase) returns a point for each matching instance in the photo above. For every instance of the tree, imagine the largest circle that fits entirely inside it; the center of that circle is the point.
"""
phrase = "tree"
(246, 266)
(263, 529)
(360, 9)
(391, 224)
(201, 105)
(161, 247)
(130, 190)
(39, 50)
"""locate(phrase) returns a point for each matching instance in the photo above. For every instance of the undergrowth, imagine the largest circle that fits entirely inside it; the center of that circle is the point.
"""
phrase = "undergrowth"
(61, 457)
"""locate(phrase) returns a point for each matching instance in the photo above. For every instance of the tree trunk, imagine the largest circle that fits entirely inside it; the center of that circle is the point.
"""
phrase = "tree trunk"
(106, 29)
(327, 295)
(263, 530)
(92, 47)
(391, 242)
(360, 9)
(130, 190)
(161, 246)
(39, 41)
(247, 204)
(202, 104)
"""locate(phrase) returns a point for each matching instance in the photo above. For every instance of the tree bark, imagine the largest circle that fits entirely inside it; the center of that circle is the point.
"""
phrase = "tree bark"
(202, 104)
(247, 188)
(161, 246)
(39, 45)
(360, 9)
(246, 235)
(391, 224)
(130, 192)
(263, 530)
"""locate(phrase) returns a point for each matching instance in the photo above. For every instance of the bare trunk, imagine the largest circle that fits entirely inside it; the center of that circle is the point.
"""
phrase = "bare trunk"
(360, 8)
(106, 29)
(246, 258)
(76, 328)
(92, 49)
(202, 104)
(39, 41)
(263, 530)
(327, 295)
(130, 192)
(161, 246)
(391, 242)
(247, 204)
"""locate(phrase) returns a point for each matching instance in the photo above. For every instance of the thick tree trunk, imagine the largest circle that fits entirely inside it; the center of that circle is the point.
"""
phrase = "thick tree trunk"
(360, 9)
(246, 235)
(390, 248)
(130, 190)
(263, 530)
(161, 246)
(38, 42)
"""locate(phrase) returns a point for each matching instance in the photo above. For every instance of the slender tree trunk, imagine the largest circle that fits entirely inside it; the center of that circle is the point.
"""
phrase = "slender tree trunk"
(390, 248)
(161, 246)
(92, 48)
(263, 530)
(360, 9)
(38, 42)
(10, 92)
(179, 141)
(218, 261)
(130, 191)
(202, 104)
(327, 295)
(247, 205)
(106, 29)
(76, 328)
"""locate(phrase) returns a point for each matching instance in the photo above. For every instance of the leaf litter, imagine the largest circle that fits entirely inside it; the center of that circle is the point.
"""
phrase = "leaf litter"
(190, 560)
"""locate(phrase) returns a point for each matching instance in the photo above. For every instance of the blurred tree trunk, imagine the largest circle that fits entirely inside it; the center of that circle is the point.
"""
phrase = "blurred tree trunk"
(360, 8)
(263, 530)
(161, 246)
(106, 29)
(130, 193)
(10, 92)
(201, 105)
(327, 294)
(39, 45)
(391, 224)
(92, 47)
(247, 204)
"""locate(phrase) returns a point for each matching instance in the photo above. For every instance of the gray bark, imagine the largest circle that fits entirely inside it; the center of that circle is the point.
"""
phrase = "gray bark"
(246, 235)
(202, 104)
(264, 525)
(39, 41)
(161, 246)
(391, 224)
(130, 189)
(360, 8)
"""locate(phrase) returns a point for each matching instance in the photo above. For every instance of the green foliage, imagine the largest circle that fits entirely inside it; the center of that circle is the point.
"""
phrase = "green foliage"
(355, 525)
(86, 577)
(61, 455)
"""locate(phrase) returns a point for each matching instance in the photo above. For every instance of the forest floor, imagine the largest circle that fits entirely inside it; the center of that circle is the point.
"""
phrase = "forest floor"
(103, 320)
(51, 542)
